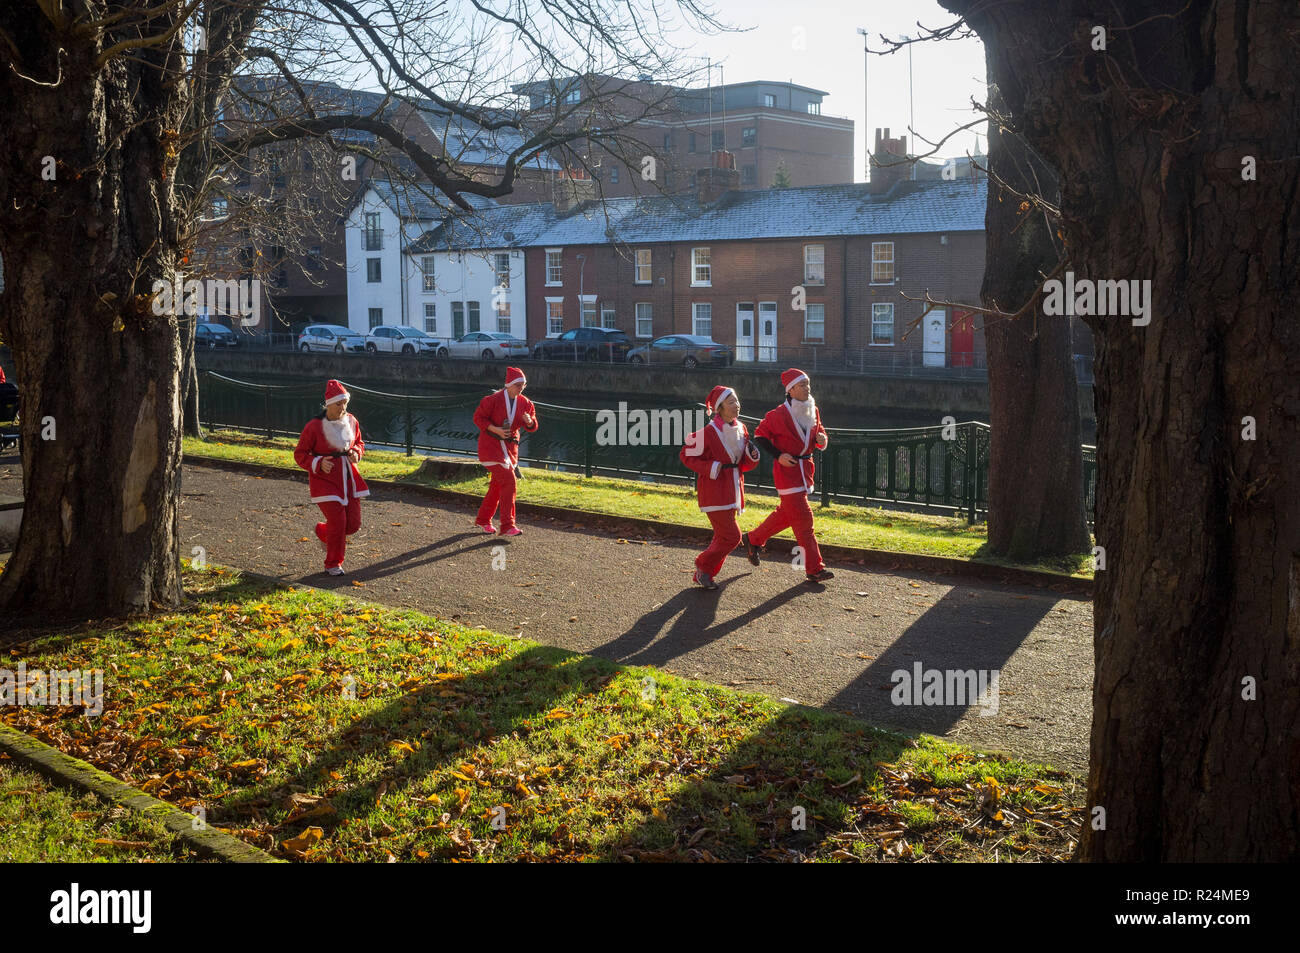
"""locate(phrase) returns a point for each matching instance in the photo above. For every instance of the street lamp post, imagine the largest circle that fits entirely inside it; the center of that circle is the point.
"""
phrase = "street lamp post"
(866, 102)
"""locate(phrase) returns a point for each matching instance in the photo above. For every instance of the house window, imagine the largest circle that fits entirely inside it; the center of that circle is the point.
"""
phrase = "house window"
(701, 267)
(372, 239)
(314, 258)
(769, 100)
(613, 174)
(608, 317)
(471, 316)
(554, 270)
(644, 319)
(815, 108)
(748, 174)
(376, 317)
(589, 318)
(719, 139)
(702, 319)
(749, 136)
(373, 272)
(643, 259)
(554, 317)
(431, 318)
(882, 324)
(668, 140)
(690, 143)
(426, 268)
(573, 96)
(219, 208)
(502, 269)
(503, 321)
(882, 263)
(668, 180)
(457, 318)
(814, 264)
(503, 310)
(814, 322)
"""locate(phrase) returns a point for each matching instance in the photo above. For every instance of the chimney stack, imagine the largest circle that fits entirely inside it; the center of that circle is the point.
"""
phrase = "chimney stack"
(721, 176)
(889, 164)
(572, 188)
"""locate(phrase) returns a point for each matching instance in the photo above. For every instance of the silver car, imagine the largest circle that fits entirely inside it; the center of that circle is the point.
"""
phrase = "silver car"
(331, 337)
(401, 339)
(491, 346)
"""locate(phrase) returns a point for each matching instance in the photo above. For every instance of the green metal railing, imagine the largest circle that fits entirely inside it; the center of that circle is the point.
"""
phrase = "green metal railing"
(914, 467)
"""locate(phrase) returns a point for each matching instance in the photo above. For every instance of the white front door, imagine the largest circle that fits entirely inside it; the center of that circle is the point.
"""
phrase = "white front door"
(767, 331)
(745, 331)
(935, 354)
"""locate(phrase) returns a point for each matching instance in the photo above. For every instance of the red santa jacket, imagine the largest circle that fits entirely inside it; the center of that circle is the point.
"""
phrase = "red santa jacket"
(719, 487)
(493, 410)
(343, 483)
(780, 427)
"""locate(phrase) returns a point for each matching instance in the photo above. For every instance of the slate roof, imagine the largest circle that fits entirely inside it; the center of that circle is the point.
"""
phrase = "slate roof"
(817, 211)
(409, 202)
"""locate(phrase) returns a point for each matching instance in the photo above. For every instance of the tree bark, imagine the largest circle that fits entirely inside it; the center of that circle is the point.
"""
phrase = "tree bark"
(1195, 747)
(100, 372)
(1035, 464)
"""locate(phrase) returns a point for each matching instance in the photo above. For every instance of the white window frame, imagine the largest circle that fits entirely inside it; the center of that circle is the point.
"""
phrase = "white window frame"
(882, 305)
(554, 331)
(890, 260)
(378, 270)
(808, 321)
(505, 324)
(559, 267)
(695, 318)
(809, 261)
(220, 208)
(608, 316)
(503, 278)
(707, 265)
(587, 304)
(372, 232)
(431, 317)
(648, 317)
(426, 269)
(769, 100)
(648, 265)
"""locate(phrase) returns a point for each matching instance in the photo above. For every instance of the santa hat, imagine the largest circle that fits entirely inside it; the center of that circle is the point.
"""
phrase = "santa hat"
(791, 377)
(716, 397)
(515, 376)
(335, 391)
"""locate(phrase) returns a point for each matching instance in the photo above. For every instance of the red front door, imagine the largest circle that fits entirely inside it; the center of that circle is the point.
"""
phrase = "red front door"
(961, 348)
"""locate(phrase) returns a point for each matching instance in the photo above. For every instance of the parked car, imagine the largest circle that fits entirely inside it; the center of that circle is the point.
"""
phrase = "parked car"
(686, 349)
(585, 344)
(330, 337)
(209, 334)
(487, 345)
(401, 339)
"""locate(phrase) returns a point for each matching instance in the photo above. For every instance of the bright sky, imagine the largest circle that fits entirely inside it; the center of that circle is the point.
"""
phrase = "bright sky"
(945, 75)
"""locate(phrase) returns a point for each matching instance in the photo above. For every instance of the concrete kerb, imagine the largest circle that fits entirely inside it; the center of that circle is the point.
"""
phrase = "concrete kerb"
(68, 771)
(883, 559)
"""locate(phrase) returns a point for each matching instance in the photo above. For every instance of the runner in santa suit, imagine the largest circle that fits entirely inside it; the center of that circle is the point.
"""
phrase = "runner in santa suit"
(719, 454)
(329, 449)
(499, 418)
(790, 433)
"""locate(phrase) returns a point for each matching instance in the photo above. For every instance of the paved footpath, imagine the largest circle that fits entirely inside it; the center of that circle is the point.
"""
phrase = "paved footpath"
(628, 597)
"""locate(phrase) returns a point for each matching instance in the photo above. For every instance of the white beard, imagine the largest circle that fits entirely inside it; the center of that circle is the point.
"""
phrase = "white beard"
(733, 438)
(339, 433)
(804, 412)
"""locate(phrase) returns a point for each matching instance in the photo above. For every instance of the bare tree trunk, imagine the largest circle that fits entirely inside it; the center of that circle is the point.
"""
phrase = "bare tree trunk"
(1195, 751)
(100, 372)
(190, 382)
(1035, 464)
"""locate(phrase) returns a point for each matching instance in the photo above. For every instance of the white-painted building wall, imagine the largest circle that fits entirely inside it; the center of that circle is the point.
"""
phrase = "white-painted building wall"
(467, 277)
(387, 293)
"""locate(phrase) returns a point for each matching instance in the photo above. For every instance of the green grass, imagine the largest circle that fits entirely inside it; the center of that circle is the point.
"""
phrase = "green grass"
(46, 824)
(321, 728)
(839, 524)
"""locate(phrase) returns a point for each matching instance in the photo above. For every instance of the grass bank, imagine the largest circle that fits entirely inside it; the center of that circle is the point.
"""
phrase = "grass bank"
(838, 524)
(321, 728)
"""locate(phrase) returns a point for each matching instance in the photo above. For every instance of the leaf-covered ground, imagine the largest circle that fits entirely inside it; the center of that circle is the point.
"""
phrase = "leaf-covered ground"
(322, 728)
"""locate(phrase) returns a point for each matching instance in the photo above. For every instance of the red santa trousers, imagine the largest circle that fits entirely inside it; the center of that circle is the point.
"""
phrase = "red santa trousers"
(726, 537)
(793, 513)
(340, 523)
(501, 491)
